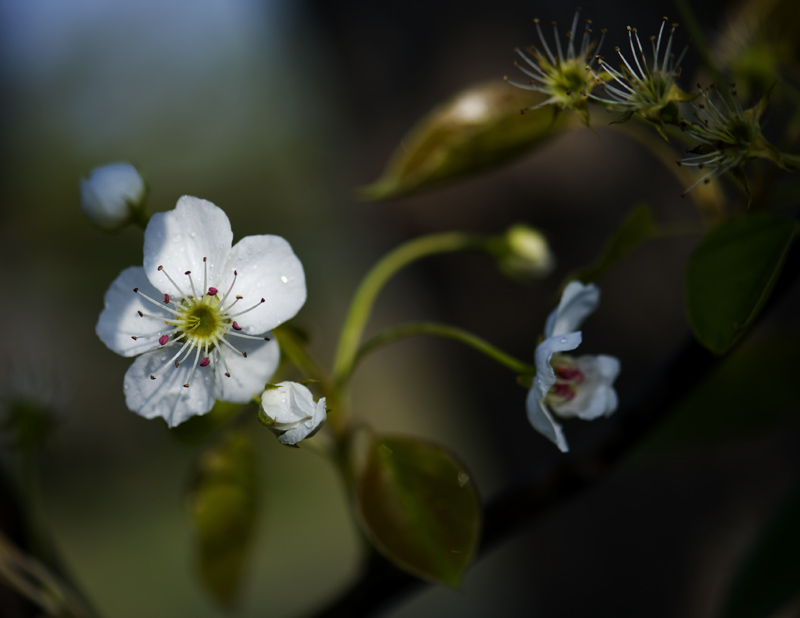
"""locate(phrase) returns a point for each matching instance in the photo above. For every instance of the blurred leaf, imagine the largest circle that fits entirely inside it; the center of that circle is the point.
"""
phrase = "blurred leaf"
(479, 128)
(753, 390)
(199, 428)
(769, 576)
(420, 508)
(637, 227)
(730, 275)
(222, 508)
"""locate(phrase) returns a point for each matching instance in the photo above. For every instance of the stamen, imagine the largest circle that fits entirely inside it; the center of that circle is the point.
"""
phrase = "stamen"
(236, 325)
(221, 358)
(228, 308)
(166, 299)
(163, 339)
(194, 366)
(205, 274)
(213, 291)
(155, 302)
(224, 298)
(172, 281)
(205, 362)
(233, 315)
(544, 42)
(188, 273)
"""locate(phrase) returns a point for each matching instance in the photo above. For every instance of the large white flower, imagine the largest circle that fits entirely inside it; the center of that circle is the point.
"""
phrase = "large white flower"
(566, 386)
(198, 313)
(288, 409)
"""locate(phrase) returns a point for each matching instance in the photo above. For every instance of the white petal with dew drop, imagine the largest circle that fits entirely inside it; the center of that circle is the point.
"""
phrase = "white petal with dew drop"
(248, 375)
(543, 422)
(120, 321)
(545, 376)
(179, 239)
(267, 268)
(595, 395)
(166, 396)
(577, 302)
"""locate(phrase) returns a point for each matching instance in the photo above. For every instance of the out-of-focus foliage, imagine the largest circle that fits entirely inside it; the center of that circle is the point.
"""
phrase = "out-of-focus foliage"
(420, 508)
(222, 508)
(769, 577)
(479, 128)
(635, 229)
(730, 275)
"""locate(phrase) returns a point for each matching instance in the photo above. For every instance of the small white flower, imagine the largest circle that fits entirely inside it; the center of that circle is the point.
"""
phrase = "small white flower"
(567, 386)
(111, 194)
(288, 409)
(198, 313)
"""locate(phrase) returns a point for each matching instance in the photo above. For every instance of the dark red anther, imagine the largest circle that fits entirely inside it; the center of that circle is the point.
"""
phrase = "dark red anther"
(573, 374)
(205, 362)
(166, 299)
(213, 291)
(236, 325)
(163, 339)
(563, 391)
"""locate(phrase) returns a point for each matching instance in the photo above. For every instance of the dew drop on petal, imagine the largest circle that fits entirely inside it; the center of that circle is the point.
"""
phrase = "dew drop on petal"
(284, 279)
(563, 340)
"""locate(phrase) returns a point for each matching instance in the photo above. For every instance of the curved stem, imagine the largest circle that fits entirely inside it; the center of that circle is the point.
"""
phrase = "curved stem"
(403, 331)
(376, 278)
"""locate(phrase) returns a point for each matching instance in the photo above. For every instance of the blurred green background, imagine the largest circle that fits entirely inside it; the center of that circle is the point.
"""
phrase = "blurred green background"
(277, 111)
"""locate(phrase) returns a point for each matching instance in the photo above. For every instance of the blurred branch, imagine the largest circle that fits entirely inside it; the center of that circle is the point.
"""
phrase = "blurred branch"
(382, 584)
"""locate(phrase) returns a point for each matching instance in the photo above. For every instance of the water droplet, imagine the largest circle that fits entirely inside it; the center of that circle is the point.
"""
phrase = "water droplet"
(177, 238)
(193, 234)
(563, 339)
(284, 279)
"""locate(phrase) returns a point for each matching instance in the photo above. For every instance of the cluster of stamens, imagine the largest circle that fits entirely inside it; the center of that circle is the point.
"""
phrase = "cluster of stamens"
(199, 323)
(563, 78)
(645, 86)
(727, 133)
(568, 376)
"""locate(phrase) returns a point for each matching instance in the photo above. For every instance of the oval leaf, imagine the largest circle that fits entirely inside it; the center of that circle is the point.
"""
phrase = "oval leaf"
(420, 508)
(222, 508)
(479, 128)
(730, 276)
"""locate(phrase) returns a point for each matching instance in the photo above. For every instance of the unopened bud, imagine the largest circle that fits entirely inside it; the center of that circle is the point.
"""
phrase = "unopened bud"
(113, 195)
(526, 253)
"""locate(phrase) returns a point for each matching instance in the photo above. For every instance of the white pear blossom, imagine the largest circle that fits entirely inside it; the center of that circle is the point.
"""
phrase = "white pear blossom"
(566, 386)
(197, 314)
(111, 194)
(288, 409)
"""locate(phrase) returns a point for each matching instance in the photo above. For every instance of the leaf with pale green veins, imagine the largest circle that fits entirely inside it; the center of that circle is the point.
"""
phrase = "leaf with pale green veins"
(731, 274)
(222, 508)
(420, 508)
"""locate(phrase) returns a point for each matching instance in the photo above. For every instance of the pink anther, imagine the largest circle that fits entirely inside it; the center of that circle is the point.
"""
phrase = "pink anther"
(213, 291)
(163, 339)
(205, 362)
(236, 325)
(166, 299)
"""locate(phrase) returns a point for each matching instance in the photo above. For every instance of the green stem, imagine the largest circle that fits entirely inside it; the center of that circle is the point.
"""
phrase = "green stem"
(376, 278)
(403, 331)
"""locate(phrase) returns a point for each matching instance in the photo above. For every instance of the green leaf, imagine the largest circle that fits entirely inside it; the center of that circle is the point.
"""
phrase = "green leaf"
(480, 128)
(769, 576)
(420, 508)
(730, 275)
(222, 507)
(637, 227)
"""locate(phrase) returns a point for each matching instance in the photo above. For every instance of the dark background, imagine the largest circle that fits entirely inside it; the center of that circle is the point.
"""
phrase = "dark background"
(277, 112)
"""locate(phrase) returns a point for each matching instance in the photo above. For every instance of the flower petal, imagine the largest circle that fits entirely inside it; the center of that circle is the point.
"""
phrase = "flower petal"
(248, 375)
(166, 396)
(179, 239)
(120, 321)
(267, 268)
(306, 428)
(543, 422)
(577, 302)
(595, 396)
(545, 376)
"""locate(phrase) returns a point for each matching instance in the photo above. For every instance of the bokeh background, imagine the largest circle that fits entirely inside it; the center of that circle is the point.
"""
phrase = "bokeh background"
(278, 111)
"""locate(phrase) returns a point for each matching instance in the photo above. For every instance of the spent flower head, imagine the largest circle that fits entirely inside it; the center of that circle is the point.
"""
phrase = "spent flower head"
(564, 78)
(729, 135)
(568, 386)
(197, 314)
(642, 87)
(113, 195)
(289, 410)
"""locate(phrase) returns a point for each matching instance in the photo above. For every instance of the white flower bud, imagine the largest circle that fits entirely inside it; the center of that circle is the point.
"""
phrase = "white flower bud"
(112, 194)
(288, 409)
(527, 253)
